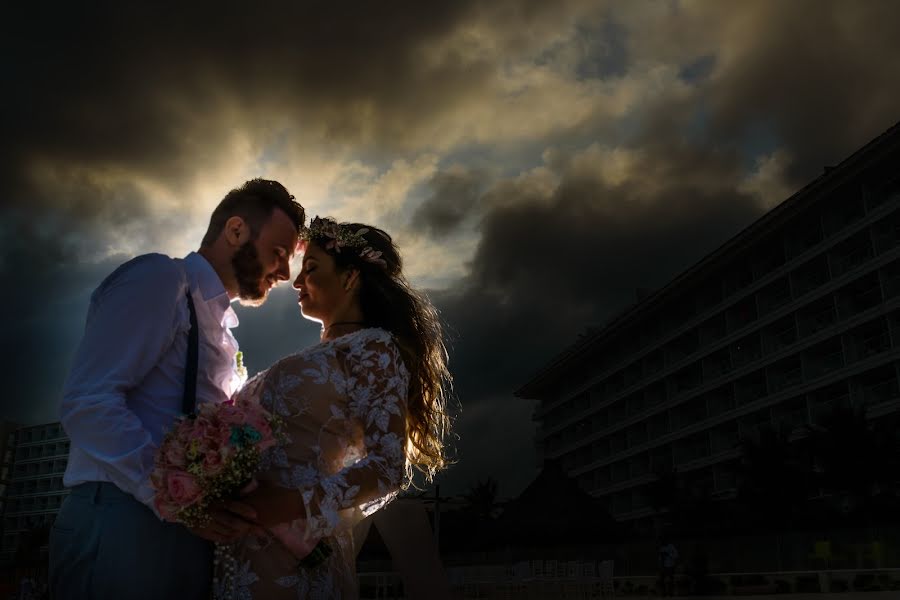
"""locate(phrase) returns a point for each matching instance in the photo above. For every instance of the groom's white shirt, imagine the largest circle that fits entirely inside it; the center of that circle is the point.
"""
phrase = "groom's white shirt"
(126, 385)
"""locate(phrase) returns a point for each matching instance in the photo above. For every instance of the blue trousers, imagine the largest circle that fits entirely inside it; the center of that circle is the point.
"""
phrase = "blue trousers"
(105, 545)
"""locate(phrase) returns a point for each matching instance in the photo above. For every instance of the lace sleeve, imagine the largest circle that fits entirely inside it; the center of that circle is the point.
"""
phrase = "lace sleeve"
(372, 381)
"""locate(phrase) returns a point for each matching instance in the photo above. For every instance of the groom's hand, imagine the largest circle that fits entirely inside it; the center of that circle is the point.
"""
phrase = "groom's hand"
(231, 521)
(275, 505)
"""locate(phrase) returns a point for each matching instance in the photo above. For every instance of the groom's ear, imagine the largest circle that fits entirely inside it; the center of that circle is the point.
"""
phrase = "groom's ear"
(237, 232)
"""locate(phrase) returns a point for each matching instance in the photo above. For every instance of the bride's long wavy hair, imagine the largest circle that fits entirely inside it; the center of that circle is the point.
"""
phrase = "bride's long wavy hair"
(388, 301)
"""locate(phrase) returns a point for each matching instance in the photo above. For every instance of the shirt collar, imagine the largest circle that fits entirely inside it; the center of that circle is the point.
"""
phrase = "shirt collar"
(211, 288)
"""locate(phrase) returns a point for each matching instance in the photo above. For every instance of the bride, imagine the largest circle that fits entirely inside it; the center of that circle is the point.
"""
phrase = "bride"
(361, 409)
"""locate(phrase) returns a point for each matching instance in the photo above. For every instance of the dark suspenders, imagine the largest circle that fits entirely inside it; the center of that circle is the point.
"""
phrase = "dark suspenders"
(189, 402)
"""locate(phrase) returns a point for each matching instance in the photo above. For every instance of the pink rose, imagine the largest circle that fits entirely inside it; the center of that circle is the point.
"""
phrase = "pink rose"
(198, 432)
(213, 463)
(231, 414)
(183, 488)
(174, 455)
(223, 436)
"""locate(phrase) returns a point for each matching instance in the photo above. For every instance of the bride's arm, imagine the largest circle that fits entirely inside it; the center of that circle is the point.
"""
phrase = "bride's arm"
(376, 385)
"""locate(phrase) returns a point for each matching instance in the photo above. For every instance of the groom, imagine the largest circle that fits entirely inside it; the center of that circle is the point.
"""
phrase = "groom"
(157, 342)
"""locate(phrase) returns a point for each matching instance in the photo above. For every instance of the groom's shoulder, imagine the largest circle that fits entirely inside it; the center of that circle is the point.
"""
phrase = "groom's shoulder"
(148, 271)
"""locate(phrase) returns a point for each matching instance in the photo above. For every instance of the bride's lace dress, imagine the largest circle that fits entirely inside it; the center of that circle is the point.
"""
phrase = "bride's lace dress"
(344, 406)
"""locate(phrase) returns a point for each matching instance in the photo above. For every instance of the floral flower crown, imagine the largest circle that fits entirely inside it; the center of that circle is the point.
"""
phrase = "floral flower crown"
(335, 237)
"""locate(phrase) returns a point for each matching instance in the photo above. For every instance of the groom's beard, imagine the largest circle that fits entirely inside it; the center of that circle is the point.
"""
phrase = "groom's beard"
(248, 271)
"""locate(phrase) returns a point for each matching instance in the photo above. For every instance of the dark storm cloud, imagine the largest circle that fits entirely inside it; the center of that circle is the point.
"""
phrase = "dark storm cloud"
(825, 76)
(549, 267)
(102, 101)
(51, 262)
(156, 84)
(453, 195)
(812, 79)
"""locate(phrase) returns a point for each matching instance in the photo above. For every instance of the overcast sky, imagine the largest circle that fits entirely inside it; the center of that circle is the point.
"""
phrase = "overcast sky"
(536, 161)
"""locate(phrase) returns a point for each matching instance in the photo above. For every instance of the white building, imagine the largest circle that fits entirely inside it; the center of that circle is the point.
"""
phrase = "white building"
(34, 459)
(794, 315)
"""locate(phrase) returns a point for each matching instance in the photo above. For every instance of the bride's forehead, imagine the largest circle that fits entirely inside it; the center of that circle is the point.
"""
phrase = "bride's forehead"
(312, 250)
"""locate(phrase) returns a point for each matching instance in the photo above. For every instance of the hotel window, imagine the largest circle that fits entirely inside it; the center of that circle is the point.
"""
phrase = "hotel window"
(823, 358)
(750, 388)
(649, 332)
(741, 314)
(876, 386)
(858, 296)
(780, 334)
(639, 465)
(739, 276)
(810, 276)
(890, 279)
(692, 448)
(633, 373)
(784, 374)
(768, 256)
(661, 459)
(655, 394)
(825, 400)
(716, 364)
(686, 379)
(844, 208)
(791, 414)
(617, 442)
(621, 502)
(658, 425)
(713, 329)
(752, 425)
(710, 295)
(806, 234)
(886, 190)
(817, 316)
(601, 477)
(639, 499)
(850, 254)
(600, 420)
(637, 434)
(886, 233)
(620, 471)
(596, 395)
(635, 403)
(600, 449)
(774, 296)
(724, 438)
(618, 411)
(654, 362)
(682, 347)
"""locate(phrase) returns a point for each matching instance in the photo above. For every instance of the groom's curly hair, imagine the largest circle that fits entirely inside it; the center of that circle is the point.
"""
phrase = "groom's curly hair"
(254, 202)
(389, 301)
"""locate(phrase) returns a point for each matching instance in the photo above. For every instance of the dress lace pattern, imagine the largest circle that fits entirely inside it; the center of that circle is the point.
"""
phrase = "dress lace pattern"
(344, 406)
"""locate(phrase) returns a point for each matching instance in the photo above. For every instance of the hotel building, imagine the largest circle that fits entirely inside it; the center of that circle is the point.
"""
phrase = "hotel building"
(796, 314)
(34, 459)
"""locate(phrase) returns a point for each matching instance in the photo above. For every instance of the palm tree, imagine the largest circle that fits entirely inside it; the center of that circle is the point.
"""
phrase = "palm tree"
(775, 477)
(481, 498)
(856, 458)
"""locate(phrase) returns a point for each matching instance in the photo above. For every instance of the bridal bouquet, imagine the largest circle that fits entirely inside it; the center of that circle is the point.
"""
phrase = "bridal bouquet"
(210, 457)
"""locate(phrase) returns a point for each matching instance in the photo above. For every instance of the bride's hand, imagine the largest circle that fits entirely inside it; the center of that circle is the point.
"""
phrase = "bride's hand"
(231, 521)
(274, 504)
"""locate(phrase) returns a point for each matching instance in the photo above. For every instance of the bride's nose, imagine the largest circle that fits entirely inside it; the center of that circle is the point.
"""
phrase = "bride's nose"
(298, 280)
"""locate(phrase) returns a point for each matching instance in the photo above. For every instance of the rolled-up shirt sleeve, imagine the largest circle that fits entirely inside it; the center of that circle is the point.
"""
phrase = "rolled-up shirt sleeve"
(131, 322)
